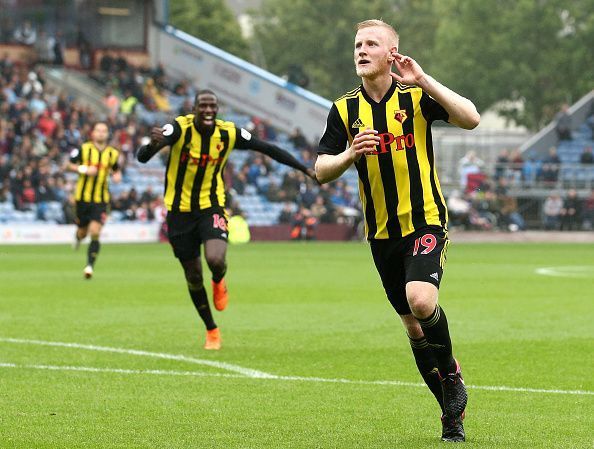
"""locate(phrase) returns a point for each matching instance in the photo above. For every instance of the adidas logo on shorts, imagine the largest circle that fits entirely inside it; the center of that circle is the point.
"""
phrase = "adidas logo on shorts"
(435, 276)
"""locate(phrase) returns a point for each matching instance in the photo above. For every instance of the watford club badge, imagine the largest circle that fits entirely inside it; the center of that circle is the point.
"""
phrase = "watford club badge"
(400, 115)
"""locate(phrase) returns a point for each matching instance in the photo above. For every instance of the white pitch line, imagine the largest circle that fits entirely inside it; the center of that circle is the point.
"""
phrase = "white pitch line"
(248, 372)
(241, 374)
(92, 369)
(397, 383)
(572, 271)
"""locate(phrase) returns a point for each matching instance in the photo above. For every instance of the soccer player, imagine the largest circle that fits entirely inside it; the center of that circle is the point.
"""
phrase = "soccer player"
(195, 195)
(94, 162)
(384, 128)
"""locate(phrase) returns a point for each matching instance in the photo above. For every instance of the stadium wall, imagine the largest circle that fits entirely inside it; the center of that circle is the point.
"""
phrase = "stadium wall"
(539, 144)
(17, 233)
(49, 234)
(238, 83)
(282, 232)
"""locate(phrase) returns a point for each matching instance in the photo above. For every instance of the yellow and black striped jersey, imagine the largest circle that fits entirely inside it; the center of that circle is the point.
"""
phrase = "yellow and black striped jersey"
(94, 189)
(194, 175)
(398, 183)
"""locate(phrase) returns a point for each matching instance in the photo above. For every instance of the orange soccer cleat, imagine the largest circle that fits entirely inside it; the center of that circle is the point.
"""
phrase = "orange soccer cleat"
(213, 339)
(220, 296)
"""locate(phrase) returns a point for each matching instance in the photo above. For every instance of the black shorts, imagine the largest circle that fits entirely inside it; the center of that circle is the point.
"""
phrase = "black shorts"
(87, 212)
(187, 230)
(419, 256)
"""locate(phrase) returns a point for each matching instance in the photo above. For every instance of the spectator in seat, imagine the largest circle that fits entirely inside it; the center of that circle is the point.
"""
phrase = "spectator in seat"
(501, 164)
(588, 212)
(85, 50)
(25, 34)
(32, 85)
(552, 212)
(530, 171)
(27, 197)
(510, 216)
(517, 165)
(44, 48)
(470, 164)
(286, 214)
(571, 211)
(304, 225)
(563, 125)
(587, 157)
(106, 64)
(58, 49)
(298, 139)
(111, 102)
(318, 208)
(458, 210)
(550, 168)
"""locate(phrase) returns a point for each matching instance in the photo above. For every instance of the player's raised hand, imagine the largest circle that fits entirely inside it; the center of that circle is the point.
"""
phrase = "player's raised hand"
(157, 137)
(365, 143)
(91, 170)
(409, 71)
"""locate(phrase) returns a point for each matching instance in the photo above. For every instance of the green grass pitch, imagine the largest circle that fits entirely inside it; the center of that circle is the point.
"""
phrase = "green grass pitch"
(303, 316)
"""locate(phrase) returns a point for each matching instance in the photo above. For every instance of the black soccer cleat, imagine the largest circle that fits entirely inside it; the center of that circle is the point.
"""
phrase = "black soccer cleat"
(454, 393)
(452, 429)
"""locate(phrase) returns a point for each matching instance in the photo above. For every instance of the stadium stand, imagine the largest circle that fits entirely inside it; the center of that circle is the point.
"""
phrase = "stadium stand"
(41, 123)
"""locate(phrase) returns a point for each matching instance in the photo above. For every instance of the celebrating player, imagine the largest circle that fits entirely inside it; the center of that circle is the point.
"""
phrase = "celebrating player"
(195, 195)
(95, 161)
(384, 128)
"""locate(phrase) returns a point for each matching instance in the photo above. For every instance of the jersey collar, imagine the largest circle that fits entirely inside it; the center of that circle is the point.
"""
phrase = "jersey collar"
(384, 99)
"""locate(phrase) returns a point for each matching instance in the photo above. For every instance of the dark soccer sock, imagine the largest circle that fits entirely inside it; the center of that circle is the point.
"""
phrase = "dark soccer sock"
(218, 274)
(435, 328)
(427, 365)
(200, 300)
(93, 252)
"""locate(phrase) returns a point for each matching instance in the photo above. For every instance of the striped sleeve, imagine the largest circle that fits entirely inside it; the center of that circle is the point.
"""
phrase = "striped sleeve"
(432, 110)
(335, 136)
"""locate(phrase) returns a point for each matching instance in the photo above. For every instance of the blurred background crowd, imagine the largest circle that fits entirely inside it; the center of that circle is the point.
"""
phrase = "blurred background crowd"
(40, 124)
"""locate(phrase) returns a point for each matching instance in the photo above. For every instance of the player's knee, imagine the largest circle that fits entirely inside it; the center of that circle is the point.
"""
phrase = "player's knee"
(194, 280)
(216, 263)
(422, 298)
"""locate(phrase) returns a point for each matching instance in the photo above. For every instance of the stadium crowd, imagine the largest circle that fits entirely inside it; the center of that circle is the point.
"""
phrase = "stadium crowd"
(39, 126)
(485, 200)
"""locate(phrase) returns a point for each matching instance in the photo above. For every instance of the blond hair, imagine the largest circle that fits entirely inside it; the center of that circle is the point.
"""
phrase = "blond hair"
(378, 23)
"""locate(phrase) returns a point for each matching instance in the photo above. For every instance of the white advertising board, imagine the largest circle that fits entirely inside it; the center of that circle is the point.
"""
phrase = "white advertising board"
(45, 234)
(242, 85)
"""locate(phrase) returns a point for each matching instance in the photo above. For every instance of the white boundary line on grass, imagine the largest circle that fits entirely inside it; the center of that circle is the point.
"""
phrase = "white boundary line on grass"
(571, 271)
(159, 355)
(239, 372)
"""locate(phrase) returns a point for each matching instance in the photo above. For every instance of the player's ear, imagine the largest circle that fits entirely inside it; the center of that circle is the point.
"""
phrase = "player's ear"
(393, 51)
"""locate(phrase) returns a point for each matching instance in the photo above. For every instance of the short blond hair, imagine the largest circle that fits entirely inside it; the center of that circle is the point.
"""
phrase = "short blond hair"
(378, 23)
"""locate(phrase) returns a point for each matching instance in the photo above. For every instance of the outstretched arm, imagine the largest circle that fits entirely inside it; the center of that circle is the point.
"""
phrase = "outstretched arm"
(462, 112)
(245, 141)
